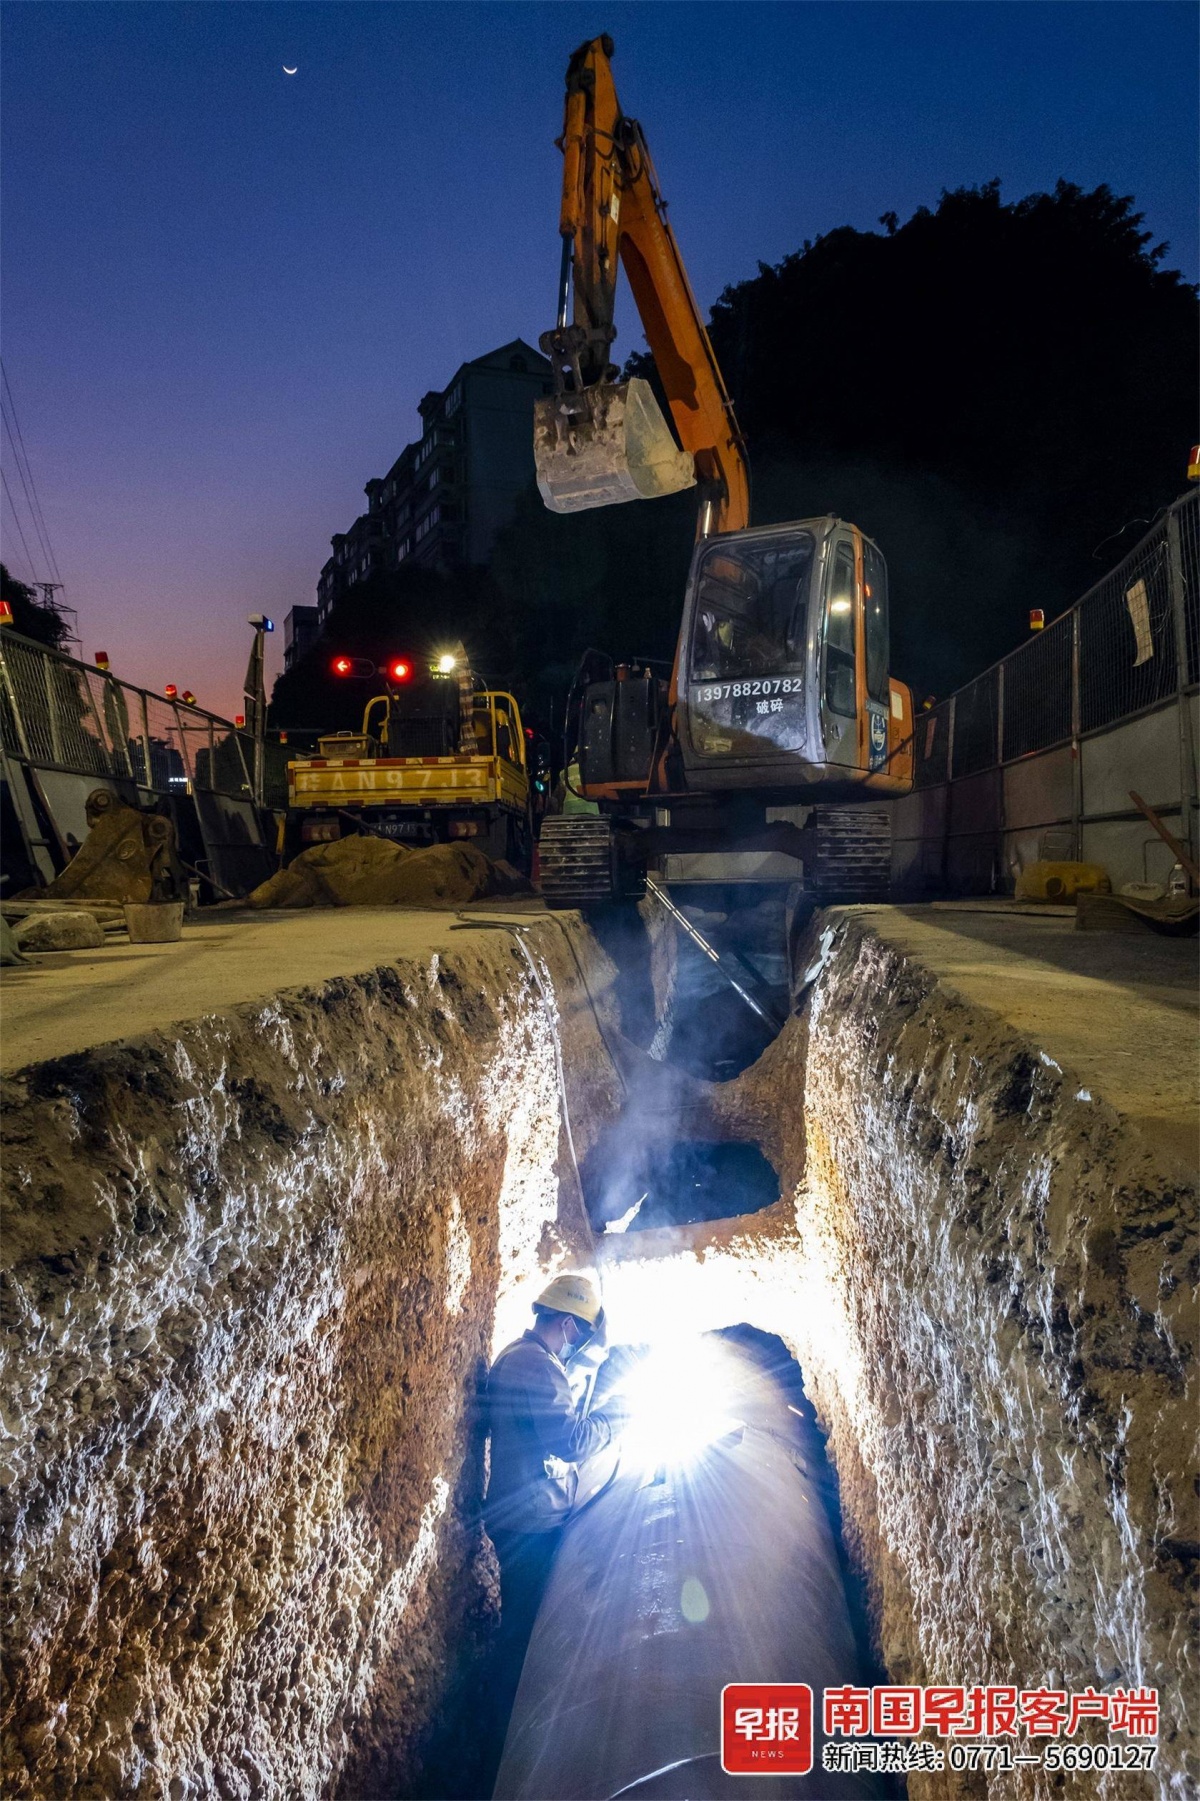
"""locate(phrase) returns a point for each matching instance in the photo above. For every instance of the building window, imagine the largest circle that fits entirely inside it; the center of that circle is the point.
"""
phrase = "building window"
(454, 399)
(427, 524)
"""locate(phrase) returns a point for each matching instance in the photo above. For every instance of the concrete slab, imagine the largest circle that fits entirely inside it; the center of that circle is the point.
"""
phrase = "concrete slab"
(72, 1000)
(1121, 1013)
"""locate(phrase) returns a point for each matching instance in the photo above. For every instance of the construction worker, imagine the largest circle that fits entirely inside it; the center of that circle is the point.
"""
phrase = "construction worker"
(540, 1434)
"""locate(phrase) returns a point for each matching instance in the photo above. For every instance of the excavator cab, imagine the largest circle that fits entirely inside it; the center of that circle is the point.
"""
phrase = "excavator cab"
(783, 679)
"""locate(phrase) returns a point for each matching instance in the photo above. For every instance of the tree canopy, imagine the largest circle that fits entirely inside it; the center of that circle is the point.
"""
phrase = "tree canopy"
(991, 390)
(31, 616)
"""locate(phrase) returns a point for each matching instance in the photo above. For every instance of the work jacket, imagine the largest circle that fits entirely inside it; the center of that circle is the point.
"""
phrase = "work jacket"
(535, 1422)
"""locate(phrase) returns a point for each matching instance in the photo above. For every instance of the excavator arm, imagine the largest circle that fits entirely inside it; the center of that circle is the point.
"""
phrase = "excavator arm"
(597, 440)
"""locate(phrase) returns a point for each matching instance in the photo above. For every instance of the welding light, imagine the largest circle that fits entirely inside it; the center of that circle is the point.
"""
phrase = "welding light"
(399, 670)
(679, 1399)
(446, 664)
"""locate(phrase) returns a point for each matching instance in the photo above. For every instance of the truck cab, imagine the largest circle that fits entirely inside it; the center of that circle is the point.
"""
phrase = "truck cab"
(424, 769)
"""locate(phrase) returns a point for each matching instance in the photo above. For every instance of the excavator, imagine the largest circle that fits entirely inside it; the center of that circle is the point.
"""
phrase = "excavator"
(779, 708)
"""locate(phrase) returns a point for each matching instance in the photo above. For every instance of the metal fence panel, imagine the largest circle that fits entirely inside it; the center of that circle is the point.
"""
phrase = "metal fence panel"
(57, 713)
(1127, 638)
(976, 723)
(931, 749)
(1037, 692)
(1187, 523)
(1116, 652)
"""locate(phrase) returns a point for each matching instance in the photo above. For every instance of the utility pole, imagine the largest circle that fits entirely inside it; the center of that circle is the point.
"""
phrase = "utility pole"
(71, 614)
(256, 700)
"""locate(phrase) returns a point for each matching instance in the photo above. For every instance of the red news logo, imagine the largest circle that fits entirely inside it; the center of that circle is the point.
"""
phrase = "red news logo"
(766, 1729)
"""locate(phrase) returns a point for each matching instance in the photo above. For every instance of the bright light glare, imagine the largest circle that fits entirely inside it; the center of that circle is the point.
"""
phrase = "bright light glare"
(447, 665)
(839, 606)
(680, 1398)
(624, 1221)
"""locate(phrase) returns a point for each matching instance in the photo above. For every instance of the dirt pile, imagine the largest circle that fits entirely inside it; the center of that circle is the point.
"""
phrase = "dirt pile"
(374, 872)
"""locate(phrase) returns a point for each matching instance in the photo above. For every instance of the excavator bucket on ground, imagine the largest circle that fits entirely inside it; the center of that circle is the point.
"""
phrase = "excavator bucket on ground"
(604, 444)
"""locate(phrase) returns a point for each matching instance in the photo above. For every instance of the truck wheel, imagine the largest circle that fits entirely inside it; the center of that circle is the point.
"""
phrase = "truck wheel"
(578, 860)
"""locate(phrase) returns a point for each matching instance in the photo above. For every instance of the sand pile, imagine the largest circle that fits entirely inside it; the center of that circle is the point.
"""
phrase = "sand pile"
(374, 872)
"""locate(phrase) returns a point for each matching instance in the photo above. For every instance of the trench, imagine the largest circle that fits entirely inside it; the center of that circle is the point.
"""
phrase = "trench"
(257, 1264)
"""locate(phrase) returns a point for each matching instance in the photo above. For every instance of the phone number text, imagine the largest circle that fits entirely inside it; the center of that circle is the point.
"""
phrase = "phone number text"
(767, 684)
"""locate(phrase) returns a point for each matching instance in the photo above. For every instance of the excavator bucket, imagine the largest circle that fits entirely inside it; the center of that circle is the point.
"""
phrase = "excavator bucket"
(606, 444)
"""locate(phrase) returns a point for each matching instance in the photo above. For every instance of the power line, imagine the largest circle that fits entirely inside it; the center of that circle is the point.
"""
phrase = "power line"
(39, 518)
(24, 484)
(38, 532)
(17, 523)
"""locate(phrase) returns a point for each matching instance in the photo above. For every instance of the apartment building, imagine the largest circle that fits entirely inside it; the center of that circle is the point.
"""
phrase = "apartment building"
(448, 493)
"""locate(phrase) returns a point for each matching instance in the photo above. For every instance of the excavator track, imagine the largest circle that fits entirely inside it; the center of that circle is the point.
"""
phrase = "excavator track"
(577, 859)
(854, 854)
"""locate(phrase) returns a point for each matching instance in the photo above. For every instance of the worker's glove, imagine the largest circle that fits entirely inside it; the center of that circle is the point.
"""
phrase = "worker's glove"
(615, 1411)
(617, 1366)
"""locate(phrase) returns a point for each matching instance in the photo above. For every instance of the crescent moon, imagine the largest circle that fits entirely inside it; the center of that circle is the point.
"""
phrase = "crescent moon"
(294, 71)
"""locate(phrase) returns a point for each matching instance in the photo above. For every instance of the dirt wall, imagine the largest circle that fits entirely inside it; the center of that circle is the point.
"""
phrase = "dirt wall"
(988, 1280)
(252, 1269)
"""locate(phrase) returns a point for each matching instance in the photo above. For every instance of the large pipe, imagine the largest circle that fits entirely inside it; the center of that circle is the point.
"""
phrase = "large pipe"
(669, 1585)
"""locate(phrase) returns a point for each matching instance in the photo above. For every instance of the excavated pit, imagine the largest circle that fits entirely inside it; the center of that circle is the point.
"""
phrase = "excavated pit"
(255, 1264)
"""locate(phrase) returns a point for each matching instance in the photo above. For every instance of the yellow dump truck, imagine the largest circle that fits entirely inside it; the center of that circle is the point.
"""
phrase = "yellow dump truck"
(424, 769)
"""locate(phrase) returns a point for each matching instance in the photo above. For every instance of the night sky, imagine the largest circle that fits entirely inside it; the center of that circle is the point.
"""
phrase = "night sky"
(226, 289)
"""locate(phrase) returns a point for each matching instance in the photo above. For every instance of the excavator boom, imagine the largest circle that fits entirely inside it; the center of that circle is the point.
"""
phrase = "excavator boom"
(598, 440)
(779, 701)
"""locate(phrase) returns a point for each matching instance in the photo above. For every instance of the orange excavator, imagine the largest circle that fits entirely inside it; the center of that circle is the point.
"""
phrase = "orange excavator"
(779, 708)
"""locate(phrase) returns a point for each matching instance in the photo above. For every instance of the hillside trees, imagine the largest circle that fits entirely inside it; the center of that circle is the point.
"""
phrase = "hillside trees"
(1001, 393)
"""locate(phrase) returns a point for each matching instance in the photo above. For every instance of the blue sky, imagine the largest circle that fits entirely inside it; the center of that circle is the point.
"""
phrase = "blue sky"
(225, 289)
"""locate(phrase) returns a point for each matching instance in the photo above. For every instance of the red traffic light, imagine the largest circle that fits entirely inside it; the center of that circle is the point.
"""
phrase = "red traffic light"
(360, 667)
(399, 669)
(170, 690)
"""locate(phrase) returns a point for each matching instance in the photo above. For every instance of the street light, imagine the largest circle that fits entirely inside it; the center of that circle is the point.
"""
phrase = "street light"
(256, 698)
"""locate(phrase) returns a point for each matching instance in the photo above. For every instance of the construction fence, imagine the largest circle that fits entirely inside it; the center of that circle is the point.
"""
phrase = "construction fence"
(1036, 758)
(67, 728)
